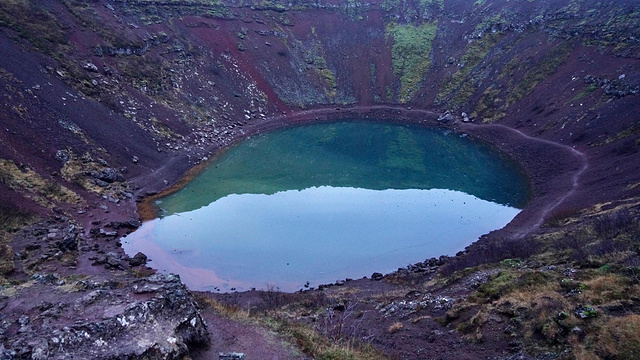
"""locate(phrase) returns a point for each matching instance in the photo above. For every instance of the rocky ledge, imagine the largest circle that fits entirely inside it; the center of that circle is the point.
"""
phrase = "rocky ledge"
(156, 317)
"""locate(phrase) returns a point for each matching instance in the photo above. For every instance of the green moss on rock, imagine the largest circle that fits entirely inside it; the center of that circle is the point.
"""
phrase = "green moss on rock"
(539, 72)
(477, 51)
(410, 53)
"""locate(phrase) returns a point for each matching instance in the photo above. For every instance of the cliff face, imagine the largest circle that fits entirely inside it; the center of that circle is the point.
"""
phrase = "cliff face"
(105, 102)
(127, 85)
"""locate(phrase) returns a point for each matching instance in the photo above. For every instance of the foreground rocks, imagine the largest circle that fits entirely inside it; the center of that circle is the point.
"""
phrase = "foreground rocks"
(155, 317)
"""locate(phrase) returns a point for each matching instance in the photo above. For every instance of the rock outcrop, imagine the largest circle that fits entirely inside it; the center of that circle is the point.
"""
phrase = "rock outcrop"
(155, 317)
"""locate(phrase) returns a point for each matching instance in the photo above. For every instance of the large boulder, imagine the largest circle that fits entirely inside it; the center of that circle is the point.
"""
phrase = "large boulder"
(151, 318)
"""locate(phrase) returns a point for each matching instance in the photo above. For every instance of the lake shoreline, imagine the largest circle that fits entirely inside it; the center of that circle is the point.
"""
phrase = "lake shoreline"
(553, 169)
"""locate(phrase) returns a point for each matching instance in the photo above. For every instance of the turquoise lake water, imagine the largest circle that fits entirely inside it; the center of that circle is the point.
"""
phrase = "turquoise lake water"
(323, 202)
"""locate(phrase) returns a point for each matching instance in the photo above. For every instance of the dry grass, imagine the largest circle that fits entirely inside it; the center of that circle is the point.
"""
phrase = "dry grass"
(606, 288)
(33, 186)
(12, 219)
(395, 327)
(33, 23)
(232, 312)
(76, 168)
(619, 338)
(307, 339)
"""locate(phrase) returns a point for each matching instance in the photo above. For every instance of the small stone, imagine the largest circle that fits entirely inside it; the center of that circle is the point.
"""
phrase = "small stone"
(90, 66)
(104, 232)
(231, 356)
(138, 259)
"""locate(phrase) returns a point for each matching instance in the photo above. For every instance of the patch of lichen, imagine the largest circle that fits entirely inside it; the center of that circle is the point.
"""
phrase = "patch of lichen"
(461, 81)
(539, 72)
(33, 23)
(78, 169)
(33, 186)
(490, 107)
(410, 52)
(606, 25)
(146, 74)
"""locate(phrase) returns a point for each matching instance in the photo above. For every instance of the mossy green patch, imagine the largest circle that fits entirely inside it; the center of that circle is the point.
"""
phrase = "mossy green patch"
(539, 72)
(497, 286)
(586, 92)
(489, 108)
(477, 51)
(410, 53)
(33, 23)
(32, 185)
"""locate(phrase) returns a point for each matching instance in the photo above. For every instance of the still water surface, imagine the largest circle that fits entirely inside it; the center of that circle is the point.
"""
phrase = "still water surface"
(323, 202)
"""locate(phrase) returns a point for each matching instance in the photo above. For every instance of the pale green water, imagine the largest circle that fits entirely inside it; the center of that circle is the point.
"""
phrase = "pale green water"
(323, 202)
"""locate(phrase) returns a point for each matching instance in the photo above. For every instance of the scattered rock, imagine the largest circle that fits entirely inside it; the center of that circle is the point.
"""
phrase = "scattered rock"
(62, 156)
(586, 312)
(231, 356)
(108, 175)
(446, 117)
(138, 259)
(376, 276)
(130, 223)
(103, 232)
(614, 88)
(116, 330)
(90, 66)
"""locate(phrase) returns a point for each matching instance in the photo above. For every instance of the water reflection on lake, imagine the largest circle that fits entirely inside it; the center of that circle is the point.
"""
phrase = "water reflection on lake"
(325, 202)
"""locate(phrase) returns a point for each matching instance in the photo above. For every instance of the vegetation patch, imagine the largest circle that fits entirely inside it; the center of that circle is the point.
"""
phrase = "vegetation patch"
(461, 82)
(281, 319)
(490, 107)
(539, 72)
(410, 54)
(33, 23)
(44, 192)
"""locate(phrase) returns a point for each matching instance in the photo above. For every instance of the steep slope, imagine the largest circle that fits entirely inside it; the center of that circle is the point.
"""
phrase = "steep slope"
(106, 102)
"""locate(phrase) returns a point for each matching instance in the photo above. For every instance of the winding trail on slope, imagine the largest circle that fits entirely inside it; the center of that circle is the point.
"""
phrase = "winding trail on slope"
(575, 178)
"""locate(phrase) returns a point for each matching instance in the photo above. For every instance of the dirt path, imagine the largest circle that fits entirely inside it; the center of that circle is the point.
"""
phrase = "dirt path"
(542, 212)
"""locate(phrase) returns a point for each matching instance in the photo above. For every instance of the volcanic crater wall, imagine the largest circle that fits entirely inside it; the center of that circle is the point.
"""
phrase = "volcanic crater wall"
(121, 98)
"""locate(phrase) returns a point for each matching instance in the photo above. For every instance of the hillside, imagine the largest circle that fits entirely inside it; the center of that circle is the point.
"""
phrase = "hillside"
(108, 103)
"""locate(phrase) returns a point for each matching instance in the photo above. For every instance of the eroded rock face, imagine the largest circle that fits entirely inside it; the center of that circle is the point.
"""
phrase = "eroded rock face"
(104, 320)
